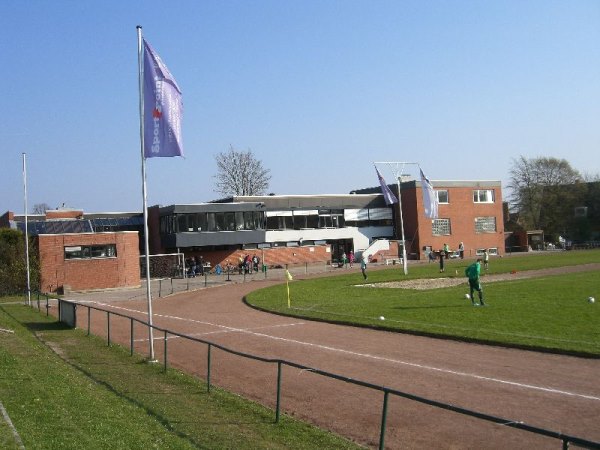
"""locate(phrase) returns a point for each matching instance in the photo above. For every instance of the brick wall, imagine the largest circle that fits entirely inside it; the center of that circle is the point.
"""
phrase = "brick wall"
(462, 212)
(272, 256)
(84, 274)
(64, 214)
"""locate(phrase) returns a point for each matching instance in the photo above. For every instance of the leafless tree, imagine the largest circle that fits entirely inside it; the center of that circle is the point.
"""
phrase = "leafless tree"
(240, 173)
(41, 208)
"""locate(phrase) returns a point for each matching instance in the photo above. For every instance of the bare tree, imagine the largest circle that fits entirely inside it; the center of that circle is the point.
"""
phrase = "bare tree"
(41, 208)
(240, 173)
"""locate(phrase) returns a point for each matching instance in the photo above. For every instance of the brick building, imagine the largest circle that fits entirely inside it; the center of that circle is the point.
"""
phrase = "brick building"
(73, 256)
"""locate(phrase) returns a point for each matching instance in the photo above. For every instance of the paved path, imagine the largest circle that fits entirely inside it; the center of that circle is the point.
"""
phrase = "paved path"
(557, 392)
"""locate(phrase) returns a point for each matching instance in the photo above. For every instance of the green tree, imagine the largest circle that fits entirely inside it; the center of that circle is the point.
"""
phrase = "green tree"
(545, 192)
(240, 173)
(13, 268)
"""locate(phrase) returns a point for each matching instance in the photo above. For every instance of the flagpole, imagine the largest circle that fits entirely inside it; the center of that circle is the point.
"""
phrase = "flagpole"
(404, 263)
(144, 192)
(398, 174)
(26, 229)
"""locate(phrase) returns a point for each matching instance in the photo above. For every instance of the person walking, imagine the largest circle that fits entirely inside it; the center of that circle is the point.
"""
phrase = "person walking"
(472, 273)
(363, 267)
(486, 259)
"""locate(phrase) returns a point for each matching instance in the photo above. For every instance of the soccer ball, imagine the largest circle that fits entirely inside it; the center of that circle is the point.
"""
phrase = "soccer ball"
(467, 296)
(381, 318)
(591, 299)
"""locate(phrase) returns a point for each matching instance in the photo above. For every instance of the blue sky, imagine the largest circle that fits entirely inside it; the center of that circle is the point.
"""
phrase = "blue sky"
(318, 90)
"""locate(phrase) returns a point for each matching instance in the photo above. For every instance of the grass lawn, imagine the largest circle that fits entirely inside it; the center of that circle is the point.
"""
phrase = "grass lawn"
(542, 313)
(64, 390)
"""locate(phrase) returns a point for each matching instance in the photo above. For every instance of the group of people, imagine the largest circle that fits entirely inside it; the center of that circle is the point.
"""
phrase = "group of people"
(194, 266)
(248, 264)
(346, 259)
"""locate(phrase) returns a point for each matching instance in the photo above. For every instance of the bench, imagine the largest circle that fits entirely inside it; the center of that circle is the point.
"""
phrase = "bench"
(389, 261)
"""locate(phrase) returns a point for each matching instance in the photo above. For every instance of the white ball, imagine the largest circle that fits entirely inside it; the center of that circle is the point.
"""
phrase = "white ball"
(591, 299)
(381, 318)
(467, 296)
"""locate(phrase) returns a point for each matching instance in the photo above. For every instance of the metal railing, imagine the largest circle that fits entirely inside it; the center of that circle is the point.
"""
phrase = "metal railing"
(564, 438)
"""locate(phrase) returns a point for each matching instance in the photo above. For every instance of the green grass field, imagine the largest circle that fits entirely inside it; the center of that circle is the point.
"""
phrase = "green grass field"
(549, 313)
(64, 390)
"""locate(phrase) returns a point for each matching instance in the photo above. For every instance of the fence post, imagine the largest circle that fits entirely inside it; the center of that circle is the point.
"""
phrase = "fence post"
(160, 288)
(131, 337)
(47, 306)
(208, 369)
(205, 278)
(171, 285)
(306, 268)
(165, 339)
(383, 420)
(565, 443)
(38, 303)
(89, 314)
(108, 327)
(278, 404)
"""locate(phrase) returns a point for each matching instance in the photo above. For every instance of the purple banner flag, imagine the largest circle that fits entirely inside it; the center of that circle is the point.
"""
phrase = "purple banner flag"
(163, 108)
(430, 199)
(388, 195)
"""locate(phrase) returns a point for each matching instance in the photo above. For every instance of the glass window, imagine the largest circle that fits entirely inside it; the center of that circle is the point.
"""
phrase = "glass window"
(440, 227)
(91, 251)
(485, 224)
(212, 222)
(442, 196)
(201, 221)
(229, 218)
(483, 196)
(181, 223)
(240, 223)
(272, 223)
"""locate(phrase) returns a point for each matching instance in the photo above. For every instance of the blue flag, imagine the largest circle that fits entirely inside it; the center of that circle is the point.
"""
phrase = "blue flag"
(388, 195)
(163, 108)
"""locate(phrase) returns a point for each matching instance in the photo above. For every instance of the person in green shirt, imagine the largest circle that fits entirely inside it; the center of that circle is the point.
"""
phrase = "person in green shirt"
(472, 272)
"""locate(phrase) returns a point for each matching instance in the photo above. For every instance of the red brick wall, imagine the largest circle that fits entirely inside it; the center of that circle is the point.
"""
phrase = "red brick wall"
(462, 212)
(271, 256)
(63, 214)
(83, 274)
(6, 218)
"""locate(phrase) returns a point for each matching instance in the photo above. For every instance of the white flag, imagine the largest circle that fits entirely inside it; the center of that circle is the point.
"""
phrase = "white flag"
(430, 200)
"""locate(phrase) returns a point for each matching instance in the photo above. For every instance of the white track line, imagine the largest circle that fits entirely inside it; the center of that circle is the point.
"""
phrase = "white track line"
(381, 358)
(14, 431)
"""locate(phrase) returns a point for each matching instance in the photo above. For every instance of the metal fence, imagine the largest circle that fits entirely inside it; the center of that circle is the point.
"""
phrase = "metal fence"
(566, 440)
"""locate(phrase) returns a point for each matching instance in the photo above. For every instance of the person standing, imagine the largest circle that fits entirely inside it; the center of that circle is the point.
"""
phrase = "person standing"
(442, 255)
(363, 267)
(486, 259)
(351, 258)
(461, 250)
(472, 273)
(447, 250)
(344, 260)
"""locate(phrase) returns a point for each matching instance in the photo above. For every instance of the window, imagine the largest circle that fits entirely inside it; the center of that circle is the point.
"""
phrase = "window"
(485, 224)
(440, 227)
(91, 251)
(442, 196)
(483, 196)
